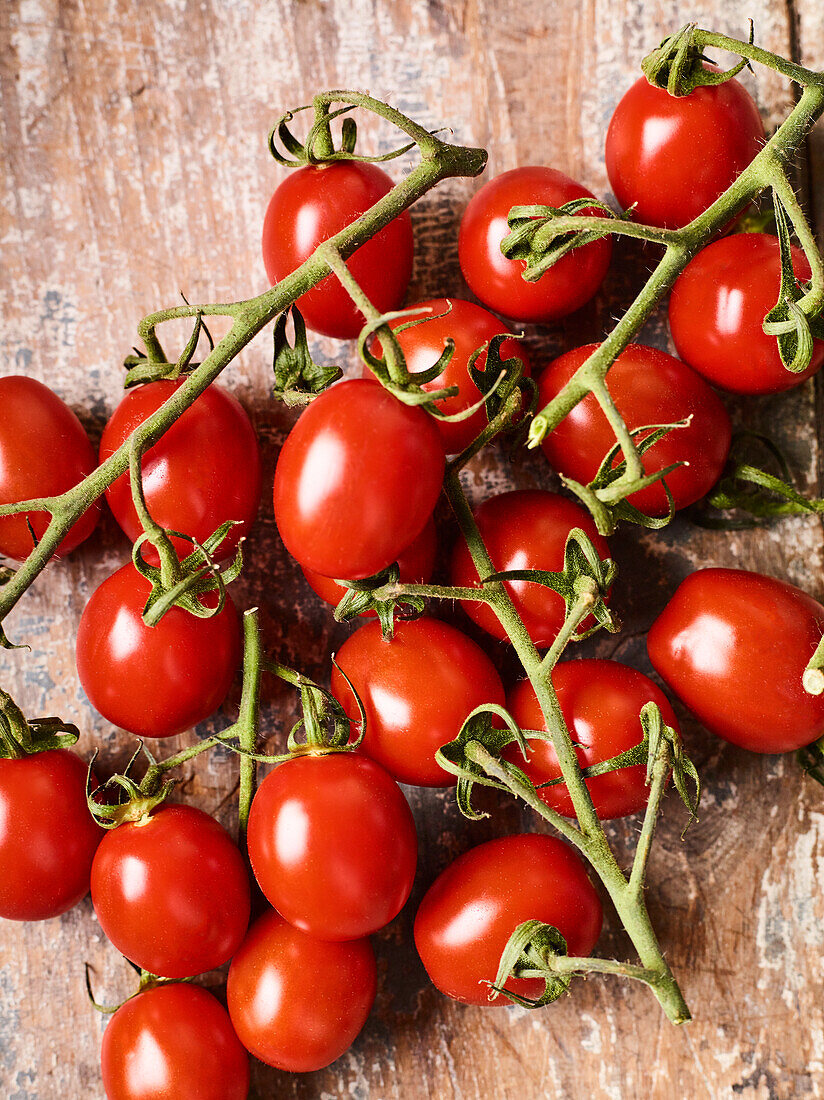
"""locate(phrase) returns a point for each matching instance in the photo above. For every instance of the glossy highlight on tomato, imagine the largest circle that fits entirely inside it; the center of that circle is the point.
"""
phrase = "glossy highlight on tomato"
(524, 529)
(648, 387)
(717, 308)
(298, 1002)
(311, 205)
(733, 646)
(601, 702)
(44, 451)
(176, 1041)
(171, 891)
(416, 689)
(473, 907)
(356, 480)
(204, 471)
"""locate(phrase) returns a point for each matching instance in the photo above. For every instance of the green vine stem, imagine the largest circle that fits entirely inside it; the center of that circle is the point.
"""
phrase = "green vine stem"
(248, 722)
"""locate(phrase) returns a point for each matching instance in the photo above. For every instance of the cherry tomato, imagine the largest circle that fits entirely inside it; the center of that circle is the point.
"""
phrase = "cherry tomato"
(204, 471)
(171, 892)
(47, 835)
(717, 308)
(524, 529)
(499, 282)
(648, 387)
(173, 1041)
(474, 906)
(673, 156)
(416, 564)
(154, 681)
(297, 1002)
(356, 480)
(313, 204)
(416, 689)
(333, 844)
(733, 646)
(601, 702)
(470, 327)
(44, 451)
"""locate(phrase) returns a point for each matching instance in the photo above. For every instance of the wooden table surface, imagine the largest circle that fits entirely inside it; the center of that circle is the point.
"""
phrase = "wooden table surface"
(135, 167)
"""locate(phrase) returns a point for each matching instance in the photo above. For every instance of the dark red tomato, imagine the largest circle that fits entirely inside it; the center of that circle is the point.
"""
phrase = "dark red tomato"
(356, 480)
(171, 892)
(173, 1041)
(333, 844)
(154, 681)
(497, 281)
(718, 306)
(313, 204)
(44, 451)
(474, 906)
(673, 156)
(415, 563)
(47, 835)
(416, 689)
(204, 471)
(601, 703)
(297, 1002)
(649, 387)
(733, 646)
(524, 529)
(470, 327)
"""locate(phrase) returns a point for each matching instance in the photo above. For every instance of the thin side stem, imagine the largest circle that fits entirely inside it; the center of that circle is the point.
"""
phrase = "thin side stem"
(579, 611)
(658, 785)
(248, 722)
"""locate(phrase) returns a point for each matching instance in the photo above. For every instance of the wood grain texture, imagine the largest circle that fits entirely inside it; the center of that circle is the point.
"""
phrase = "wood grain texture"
(135, 166)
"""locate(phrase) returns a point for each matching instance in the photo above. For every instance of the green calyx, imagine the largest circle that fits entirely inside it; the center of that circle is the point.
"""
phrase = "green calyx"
(122, 800)
(20, 737)
(530, 952)
(319, 146)
(537, 238)
(142, 368)
(678, 66)
(298, 378)
(377, 593)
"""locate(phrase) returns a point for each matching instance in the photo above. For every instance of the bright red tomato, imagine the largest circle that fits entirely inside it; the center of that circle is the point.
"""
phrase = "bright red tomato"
(733, 646)
(474, 906)
(171, 892)
(601, 703)
(649, 387)
(313, 204)
(160, 680)
(333, 844)
(470, 327)
(673, 156)
(524, 529)
(416, 689)
(204, 471)
(416, 564)
(717, 308)
(497, 281)
(356, 480)
(173, 1041)
(47, 835)
(44, 451)
(297, 1002)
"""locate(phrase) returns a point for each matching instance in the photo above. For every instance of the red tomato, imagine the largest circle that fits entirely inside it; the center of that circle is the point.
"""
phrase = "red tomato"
(47, 835)
(313, 204)
(470, 327)
(601, 703)
(733, 646)
(524, 529)
(356, 480)
(497, 281)
(333, 844)
(204, 471)
(673, 156)
(298, 1002)
(44, 451)
(415, 563)
(171, 892)
(718, 306)
(649, 387)
(416, 689)
(173, 1041)
(474, 906)
(154, 681)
